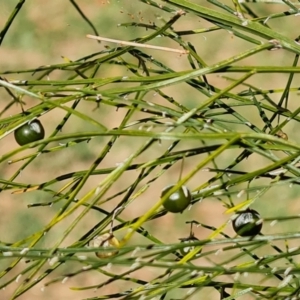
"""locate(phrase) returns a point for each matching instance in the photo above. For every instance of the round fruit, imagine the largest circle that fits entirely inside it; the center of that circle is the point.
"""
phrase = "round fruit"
(184, 251)
(247, 223)
(106, 240)
(178, 201)
(30, 132)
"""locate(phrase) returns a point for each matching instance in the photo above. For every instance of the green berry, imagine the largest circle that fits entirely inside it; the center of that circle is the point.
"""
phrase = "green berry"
(30, 132)
(178, 201)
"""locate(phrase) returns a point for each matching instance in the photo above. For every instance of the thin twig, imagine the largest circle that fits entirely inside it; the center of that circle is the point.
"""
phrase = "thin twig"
(94, 37)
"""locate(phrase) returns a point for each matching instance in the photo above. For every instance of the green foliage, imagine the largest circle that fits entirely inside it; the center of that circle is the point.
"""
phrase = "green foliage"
(206, 98)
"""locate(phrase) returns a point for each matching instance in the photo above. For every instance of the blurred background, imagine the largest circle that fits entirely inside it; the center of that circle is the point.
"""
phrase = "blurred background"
(53, 32)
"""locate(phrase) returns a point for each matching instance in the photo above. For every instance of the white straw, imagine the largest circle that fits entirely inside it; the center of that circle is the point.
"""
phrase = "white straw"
(122, 43)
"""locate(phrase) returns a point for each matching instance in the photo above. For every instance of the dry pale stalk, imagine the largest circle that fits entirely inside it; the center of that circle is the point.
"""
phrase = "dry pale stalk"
(126, 43)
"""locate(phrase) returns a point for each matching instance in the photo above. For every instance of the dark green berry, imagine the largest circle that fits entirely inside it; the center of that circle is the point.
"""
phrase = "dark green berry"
(30, 132)
(178, 201)
(247, 223)
(184, 251)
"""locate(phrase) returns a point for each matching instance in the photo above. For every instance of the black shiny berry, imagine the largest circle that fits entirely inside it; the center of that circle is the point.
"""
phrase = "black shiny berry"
(184, 251)
(30, 132)
(247, 223)
(178, 201)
